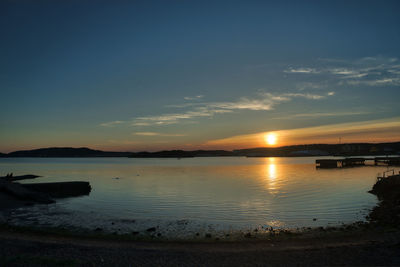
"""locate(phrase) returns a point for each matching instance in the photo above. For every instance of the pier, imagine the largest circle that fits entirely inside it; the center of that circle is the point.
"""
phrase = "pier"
(356, 162)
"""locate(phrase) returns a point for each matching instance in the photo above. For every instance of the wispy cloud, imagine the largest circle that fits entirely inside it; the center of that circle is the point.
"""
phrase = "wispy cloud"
(157, 134)
(377, 82)
(263, 102)
(323, 114)
(146, 133)
(112, 123)
(301, 70)
(370, 71)
(308, 96)
(172, 118)
(197, 97)
(303, 86)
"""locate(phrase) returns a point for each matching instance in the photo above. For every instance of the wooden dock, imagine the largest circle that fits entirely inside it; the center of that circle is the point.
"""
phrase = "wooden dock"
(355, 162)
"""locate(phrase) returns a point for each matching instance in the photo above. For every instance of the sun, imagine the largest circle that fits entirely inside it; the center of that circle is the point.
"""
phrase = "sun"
(270, 139)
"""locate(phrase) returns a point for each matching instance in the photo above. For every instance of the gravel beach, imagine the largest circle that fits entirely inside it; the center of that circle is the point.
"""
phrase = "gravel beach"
(30, 249)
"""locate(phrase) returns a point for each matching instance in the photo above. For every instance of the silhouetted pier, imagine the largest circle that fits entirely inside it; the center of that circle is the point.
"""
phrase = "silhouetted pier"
(355, 162)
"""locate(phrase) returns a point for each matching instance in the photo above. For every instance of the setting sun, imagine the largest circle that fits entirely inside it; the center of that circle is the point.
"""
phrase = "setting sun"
(270, 139)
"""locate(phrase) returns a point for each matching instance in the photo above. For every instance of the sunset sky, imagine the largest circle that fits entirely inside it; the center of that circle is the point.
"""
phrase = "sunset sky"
(152, 75)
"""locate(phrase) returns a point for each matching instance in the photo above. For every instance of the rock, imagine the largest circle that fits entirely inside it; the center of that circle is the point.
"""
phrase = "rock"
(182, 222)
(387, 212)
(61, 189)
(151, 229)
(208, 235)
(24, 193)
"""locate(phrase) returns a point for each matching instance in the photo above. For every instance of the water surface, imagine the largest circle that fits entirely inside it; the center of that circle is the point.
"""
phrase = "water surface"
(196, 193)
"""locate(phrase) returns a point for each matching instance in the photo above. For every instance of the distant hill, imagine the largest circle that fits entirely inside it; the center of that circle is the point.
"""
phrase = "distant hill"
(65, 152)
(182, 154)
(351, 149)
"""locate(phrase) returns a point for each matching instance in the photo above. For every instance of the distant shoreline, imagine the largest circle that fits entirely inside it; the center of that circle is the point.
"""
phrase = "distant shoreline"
(349, 149)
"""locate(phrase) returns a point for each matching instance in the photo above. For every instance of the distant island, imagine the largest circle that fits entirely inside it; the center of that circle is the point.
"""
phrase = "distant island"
(349, 149)
(64, 152)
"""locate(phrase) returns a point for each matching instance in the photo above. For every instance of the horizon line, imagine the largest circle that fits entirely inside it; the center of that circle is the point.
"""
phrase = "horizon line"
(270, 147)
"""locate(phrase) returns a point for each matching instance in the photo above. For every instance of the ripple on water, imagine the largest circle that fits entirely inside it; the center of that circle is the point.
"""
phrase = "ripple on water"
(224, 193)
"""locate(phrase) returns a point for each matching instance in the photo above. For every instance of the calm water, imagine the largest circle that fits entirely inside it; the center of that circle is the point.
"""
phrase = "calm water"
(226, 193)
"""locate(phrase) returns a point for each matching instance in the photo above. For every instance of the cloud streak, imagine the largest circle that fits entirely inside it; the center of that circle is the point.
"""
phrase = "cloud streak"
(157, 134)
(197, 97)
(111, 123)
(263, 102)
(322, 114)
(301, 70)
(370, 71)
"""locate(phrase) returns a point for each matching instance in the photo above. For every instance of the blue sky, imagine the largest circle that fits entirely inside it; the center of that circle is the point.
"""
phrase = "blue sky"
(135, 75)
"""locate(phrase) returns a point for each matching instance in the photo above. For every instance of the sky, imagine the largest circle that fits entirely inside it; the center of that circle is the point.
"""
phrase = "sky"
(153, 75)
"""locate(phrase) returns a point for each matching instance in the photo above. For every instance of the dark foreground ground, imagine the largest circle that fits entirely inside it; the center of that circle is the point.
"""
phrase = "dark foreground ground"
(33, 249)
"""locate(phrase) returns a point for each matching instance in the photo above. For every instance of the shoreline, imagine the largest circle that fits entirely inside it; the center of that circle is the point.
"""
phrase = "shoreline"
(44, 218)
(357, 246)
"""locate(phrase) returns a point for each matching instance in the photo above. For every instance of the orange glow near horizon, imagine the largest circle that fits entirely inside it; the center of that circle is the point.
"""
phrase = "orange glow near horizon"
(367, 131)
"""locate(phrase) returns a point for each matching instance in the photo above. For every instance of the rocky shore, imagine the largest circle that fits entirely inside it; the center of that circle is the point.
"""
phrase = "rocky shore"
(387, 212)
(351, 248)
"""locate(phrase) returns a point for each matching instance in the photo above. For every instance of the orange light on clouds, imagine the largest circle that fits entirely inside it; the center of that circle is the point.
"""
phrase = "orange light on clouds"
(368, 131)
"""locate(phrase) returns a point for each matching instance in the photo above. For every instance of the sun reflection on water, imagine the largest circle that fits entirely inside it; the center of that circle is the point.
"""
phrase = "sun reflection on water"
(270, 170)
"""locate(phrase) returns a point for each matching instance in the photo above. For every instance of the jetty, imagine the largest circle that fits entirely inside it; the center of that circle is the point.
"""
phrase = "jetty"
(356, 162)
(41, 192)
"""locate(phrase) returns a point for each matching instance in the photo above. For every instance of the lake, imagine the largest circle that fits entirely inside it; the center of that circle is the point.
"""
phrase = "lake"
(198, 194)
